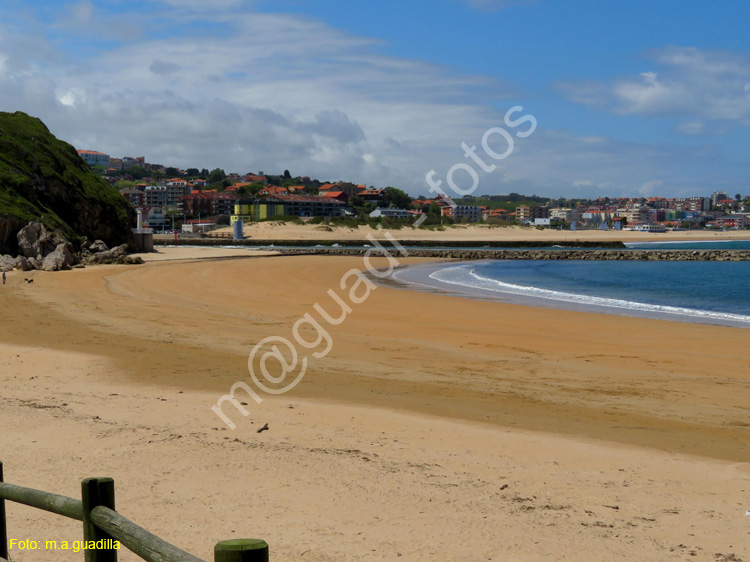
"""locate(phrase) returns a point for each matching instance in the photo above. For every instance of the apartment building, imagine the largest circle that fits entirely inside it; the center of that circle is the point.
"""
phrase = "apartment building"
(466, 213)
(692, 204)
(155, 196)
(564, 214)
(94, 158)
(733, 221)
(525, 213)
(209, 203)
(136, 197)
(635, 214)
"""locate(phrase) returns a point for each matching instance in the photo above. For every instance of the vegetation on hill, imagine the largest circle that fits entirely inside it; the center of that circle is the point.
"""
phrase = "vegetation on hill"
(43, 178)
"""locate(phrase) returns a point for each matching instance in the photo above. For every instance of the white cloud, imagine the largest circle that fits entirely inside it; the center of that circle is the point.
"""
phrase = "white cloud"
(650, 94)
(164, 68)
(320, 102)
(691, 128)
(690, 82)
(558, 163)
(81, 12)
(315, 102)
(71, 97)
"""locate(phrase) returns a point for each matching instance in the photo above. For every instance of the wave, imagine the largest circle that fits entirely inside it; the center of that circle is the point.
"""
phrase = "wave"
(467, 277)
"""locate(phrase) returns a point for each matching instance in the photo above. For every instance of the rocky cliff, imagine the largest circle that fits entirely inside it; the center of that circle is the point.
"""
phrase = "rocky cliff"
(44, 179)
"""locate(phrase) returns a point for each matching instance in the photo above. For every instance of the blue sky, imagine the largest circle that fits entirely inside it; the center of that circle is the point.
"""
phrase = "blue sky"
(631, 98)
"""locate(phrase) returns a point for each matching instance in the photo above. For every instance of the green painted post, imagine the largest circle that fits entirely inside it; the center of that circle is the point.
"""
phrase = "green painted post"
(241, 550)
(3, 528)
(94, 492)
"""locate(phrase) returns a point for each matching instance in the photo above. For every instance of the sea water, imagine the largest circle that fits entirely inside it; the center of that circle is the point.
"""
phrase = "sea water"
(709, 292)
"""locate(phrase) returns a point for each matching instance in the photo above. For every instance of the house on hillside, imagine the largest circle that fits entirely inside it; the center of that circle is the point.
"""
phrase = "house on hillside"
(252, 178)
(273, 190)
(338, 195)
(94, 158)
(373, 195)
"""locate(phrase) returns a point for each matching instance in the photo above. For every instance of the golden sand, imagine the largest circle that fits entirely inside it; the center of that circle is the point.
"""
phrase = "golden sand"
(618, 438)
(270, 230)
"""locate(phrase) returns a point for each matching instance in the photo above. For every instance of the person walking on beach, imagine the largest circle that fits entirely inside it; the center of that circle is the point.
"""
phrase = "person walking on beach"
(3, 278)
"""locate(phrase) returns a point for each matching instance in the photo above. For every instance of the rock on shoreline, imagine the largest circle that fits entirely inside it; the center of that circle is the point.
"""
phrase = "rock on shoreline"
(49, 251)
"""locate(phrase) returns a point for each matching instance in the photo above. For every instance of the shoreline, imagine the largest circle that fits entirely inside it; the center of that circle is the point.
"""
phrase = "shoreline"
(420, 278)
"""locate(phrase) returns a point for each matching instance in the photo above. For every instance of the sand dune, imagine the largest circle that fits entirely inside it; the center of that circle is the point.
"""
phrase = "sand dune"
(436, 428)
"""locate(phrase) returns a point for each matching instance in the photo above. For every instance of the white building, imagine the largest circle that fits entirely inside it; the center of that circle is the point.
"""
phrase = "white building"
(565, 214)
(635, 214)
(155, 217)
(717, 196)
(469, 213)
(390, 213)
(94, 158)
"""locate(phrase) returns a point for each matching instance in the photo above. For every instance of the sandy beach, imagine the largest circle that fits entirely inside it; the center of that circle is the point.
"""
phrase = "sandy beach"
(270, 230)
(436, 428)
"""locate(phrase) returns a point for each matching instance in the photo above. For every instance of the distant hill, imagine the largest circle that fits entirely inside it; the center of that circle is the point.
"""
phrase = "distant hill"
(44, 179)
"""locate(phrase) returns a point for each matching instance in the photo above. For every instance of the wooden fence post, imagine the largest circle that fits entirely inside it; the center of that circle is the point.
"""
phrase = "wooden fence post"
(3, 528)
(241, 550)
(94, 492)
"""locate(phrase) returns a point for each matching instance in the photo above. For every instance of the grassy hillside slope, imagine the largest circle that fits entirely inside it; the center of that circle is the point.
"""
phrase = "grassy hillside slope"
(43, 178)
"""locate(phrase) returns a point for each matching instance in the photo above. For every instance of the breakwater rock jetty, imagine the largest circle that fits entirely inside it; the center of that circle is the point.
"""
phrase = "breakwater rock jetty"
(533, 254)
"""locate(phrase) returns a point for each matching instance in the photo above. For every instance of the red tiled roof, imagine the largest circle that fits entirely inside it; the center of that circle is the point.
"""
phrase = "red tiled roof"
(236, 186)
(274, 190)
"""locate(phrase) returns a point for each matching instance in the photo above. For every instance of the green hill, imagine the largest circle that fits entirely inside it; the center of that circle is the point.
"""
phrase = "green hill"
(44, 179)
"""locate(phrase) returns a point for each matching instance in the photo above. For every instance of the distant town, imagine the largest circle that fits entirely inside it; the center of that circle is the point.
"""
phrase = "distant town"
(198, 200)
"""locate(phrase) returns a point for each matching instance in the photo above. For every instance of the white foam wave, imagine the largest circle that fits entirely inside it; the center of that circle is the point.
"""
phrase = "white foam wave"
(467, 277)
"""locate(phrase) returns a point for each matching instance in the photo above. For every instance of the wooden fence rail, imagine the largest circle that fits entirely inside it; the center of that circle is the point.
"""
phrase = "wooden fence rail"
(61, 505)
(96, 509)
